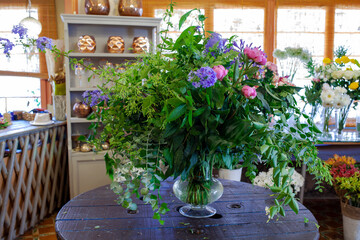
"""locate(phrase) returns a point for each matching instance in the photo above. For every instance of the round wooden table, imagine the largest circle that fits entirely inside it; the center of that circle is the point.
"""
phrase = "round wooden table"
(240, 215)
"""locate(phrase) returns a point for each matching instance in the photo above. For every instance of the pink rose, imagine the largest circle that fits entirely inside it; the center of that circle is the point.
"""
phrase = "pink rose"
(249, 92)
(220, 72)
(256, 54)
(316, 80)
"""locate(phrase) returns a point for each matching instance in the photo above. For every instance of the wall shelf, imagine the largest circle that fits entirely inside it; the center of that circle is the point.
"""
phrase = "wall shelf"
(87, 170)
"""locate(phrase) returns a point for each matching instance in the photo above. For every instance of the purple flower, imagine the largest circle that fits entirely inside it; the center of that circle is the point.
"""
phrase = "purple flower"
(93, 98)
(44, 42)
(18, 29)
(206, 77)
(220, 43)
(7, 45)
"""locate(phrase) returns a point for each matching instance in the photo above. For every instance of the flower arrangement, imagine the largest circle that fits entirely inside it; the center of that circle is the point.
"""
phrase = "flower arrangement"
(346, 178)
(335, 85)
(265, 179)
(195, 103)
(290, 59)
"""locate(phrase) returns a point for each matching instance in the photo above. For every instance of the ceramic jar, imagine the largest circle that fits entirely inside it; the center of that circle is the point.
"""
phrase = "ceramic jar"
(97, 7)
(86, 44)
(130, 8)
(81, 110)
(115, 44)
(140, 45)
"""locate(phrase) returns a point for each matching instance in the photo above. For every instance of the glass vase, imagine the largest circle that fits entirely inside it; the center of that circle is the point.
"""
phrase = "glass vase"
(341, 117)
(197, 191)
(326, 116)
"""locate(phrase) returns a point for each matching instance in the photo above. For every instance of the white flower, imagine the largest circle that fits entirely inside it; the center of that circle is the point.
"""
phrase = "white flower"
(265, 179)
(326, 87)
(327, 97)
(280, 54)
(337, 74)
(340, 90)
(345, 99)
(356, 74)
(348, 74)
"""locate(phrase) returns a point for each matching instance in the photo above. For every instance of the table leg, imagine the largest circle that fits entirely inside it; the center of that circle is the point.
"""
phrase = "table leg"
(302, 190)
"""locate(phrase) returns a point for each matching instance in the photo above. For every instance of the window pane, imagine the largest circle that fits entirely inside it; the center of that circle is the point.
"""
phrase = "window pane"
(247, 24)
(239, 20)
(312, 42)
(348, 41)
(19, 61)
(301, 20)
(347, 30)
(20, 93)
(347, 20)
(303, 28)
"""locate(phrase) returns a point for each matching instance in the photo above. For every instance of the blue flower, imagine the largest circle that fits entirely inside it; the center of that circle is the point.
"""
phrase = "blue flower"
(206, 77)
(44, 42)
(18, 29)
(7, 45)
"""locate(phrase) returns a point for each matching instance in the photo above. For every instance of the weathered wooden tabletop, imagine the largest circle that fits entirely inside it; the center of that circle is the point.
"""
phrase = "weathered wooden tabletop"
(240, 215)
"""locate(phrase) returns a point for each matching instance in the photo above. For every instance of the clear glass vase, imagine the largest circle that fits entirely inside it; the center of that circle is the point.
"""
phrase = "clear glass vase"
(341, 117)
(326, 116)
(198, 190)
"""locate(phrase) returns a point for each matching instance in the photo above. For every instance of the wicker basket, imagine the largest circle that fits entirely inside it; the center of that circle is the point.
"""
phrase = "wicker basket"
(28, 116)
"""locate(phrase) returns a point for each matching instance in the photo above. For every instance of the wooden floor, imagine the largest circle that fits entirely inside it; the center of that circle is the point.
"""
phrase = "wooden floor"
(327, 212)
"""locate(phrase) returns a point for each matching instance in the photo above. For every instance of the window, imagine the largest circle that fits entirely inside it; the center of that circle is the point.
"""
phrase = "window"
(302, 28)
(174, 32)
(18, 93)
(347, 30)
(247, 24)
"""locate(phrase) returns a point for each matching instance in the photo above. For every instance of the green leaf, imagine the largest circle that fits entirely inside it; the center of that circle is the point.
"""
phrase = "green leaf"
(264, 148)
(184, 17)
(109, 163)
(177, 112)
(294, 205)
(190, 118)
(236, 70)
(199, 111)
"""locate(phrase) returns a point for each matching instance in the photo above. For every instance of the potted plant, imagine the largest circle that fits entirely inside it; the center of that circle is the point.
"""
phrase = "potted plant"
(346, 178)
(229, 167)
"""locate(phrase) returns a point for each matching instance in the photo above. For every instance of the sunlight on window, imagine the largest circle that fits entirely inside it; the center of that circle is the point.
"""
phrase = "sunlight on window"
(247, 24)
(347, 30)
(174, 32)
(303, 28)
(20, 93)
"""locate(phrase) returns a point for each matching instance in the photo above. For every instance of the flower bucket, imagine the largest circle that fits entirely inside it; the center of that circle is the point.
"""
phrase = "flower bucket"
(351, 221)
(234, 175)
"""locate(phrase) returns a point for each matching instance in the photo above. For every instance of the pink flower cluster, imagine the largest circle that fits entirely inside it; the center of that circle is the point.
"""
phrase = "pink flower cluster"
(281, 81)
(256, 54)
(220, 72)
(249, 92)
(272, 67)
